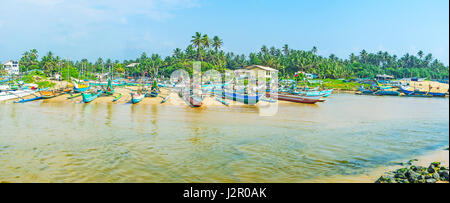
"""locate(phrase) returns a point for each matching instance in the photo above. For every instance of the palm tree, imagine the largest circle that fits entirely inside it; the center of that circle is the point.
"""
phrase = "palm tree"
(314, 50)
(206, 41)
(217, 43)
(197, 41)
(286, 50)
(420, 54)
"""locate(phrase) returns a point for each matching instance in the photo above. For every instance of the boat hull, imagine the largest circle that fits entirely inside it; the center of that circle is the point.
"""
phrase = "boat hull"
(90, 97)
(136, 98)
(195, 101)
(80, 90)
(299, 99)
(246, 99)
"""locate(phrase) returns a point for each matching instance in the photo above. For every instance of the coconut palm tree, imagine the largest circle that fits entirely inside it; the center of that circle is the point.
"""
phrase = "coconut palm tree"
(206, 41)
(197, 41)
(217, 43)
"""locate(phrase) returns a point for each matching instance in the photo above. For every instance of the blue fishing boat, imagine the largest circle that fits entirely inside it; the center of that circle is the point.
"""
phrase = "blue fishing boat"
(387, 93)
(244, 98)
(436, 94)
(88, 97)
(324, 93)
(136, 97)
(79, 88)
(28, 100)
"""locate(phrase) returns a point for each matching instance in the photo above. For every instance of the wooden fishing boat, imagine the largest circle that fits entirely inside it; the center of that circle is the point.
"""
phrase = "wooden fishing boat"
(74, 96)
(222, 101)
(298, 98)
(79, 88)
(417, 93)
(386, 93)
(153, 93)
(437, 94)
(195, 101)
(165, 99)
(136, 97)
(48, 94)
(406, 91)
(88, 97)
(109, 88)
(27, 100)
(117, 97)
(324, 93)
(244, 98)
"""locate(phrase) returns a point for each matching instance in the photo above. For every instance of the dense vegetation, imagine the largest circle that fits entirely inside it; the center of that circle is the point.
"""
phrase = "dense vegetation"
(286, 60)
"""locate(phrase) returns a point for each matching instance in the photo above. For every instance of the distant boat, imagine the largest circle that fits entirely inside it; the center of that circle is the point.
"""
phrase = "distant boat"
(88, 97)
(415, 92)
(437, 94)
(324, 93)
(387, 93)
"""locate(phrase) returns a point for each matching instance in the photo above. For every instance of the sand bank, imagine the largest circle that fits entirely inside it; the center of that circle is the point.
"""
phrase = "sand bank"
(425, 160)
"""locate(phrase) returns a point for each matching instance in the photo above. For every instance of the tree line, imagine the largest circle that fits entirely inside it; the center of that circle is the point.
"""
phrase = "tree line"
(288, 61)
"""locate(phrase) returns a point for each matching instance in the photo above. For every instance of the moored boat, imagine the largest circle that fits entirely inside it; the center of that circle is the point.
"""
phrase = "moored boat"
(195, 101)
(299, 99)
(48, 94)
(136, 97)
(88, 97)
(117, 97)
(244, 98)
(79, 88)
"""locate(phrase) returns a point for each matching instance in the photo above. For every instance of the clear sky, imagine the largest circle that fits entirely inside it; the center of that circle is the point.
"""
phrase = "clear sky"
(123, 29)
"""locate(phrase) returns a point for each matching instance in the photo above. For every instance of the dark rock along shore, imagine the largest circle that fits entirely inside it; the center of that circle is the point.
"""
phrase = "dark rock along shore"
(417, 174)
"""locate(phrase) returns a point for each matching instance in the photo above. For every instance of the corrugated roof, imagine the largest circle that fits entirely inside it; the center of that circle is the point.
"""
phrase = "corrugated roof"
(260, 67)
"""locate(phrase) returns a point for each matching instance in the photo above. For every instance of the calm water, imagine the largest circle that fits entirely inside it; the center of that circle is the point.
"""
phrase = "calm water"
(149, 143)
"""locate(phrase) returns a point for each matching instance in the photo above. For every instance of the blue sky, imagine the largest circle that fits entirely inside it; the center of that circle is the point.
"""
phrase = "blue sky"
(120, 29)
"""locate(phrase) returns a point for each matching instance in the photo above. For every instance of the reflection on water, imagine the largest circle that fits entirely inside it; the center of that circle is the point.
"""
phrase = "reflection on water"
(151, 143)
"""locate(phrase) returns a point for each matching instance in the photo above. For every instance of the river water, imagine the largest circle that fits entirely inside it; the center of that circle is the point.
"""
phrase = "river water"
(347, 135)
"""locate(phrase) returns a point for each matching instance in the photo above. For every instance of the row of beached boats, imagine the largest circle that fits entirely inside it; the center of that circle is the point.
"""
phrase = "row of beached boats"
(400, 91)
(90, 92)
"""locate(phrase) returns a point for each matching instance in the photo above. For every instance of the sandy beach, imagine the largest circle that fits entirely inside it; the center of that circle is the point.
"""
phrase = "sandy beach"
(441, 155)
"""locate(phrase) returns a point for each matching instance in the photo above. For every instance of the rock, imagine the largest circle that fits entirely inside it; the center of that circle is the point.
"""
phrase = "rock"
(431, 169)
(436, 176)
(431, 180)
(410, 162)
(443, 175)
(436, 164)
(400, 176)
(412, 176)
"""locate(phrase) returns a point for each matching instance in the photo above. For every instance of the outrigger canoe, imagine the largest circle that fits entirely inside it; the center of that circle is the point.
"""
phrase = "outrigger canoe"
(244, 98)
(117, 97)
(88, 97)
(48, 94)
(27, 100)
(78, 88)
(195, 101)
(136, 97)
(299, 99)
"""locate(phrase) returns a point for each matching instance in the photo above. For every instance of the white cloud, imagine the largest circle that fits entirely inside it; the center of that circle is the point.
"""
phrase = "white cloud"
(100, 10)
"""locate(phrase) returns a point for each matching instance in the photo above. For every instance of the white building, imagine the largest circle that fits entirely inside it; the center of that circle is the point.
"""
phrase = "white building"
(266, 71)
(11, 67)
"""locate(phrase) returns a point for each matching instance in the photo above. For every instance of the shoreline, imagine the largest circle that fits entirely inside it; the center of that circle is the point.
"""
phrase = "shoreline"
(439, 155)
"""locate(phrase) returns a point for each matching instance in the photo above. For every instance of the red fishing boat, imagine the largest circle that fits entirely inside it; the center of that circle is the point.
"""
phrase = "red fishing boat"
(195, 101)
(299, 98)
